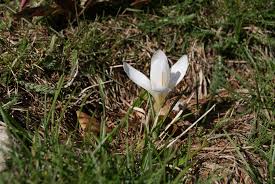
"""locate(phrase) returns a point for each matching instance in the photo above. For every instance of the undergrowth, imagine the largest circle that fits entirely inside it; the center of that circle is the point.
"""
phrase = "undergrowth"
(46, 75)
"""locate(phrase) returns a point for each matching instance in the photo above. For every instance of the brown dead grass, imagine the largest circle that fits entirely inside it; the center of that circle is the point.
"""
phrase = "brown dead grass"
(216, 156)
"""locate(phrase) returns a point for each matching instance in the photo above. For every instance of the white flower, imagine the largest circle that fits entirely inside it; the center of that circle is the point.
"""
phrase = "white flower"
(162, 78)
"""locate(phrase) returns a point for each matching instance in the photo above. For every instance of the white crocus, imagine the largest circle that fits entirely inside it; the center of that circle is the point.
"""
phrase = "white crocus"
(162, 78)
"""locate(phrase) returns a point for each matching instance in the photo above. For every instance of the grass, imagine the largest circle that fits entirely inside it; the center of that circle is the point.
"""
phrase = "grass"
(47, 75)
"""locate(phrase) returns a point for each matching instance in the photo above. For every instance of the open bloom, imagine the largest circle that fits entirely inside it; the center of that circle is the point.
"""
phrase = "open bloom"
(162, 78)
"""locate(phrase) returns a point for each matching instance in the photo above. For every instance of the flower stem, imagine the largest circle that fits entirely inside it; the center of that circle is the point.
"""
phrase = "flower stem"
(159, 101)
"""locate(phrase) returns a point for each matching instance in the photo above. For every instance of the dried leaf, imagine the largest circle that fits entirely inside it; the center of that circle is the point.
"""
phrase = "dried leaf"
(88, 123)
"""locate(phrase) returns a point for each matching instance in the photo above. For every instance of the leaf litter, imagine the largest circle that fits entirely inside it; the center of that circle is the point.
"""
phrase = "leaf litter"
(214, 155)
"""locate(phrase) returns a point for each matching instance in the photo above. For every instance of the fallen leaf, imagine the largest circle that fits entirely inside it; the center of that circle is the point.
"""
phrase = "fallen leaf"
(88, 123)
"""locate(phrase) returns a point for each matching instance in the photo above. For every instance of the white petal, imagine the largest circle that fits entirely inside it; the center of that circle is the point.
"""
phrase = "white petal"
(160, 72)
(137, 77)
(178, 70)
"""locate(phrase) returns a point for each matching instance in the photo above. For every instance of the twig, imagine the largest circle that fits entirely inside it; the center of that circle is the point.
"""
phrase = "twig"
(175, 139)
(176, 118)
(172, 122)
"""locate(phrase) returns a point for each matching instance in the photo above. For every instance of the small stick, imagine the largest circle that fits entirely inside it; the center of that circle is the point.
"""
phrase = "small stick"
(176, 118)
(172, 122)
(174, 140)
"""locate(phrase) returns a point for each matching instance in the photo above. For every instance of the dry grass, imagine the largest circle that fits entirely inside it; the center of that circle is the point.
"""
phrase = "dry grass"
(222, 148)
